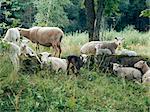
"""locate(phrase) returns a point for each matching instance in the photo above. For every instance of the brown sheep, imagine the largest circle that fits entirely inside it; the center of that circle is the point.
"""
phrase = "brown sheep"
(46, 36)
(89, 48)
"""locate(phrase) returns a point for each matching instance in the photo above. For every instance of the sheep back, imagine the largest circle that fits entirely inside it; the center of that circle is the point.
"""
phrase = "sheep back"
(12, 35)
(129, 73)
(89, 48)
(46, 35)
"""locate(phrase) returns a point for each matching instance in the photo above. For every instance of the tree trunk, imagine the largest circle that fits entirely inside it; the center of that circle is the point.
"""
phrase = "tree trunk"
(89, 6)
(97, 24)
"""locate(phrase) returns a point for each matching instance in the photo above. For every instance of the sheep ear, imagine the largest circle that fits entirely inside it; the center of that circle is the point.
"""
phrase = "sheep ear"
(50, 55)
(81, 57)
(116, 38)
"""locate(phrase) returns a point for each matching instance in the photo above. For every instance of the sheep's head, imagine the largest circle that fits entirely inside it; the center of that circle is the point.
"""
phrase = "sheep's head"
(119, 40)
(24, 44)
(44, 55)
(116, 66)
(140, 64)
(84, 57)
(23, 31)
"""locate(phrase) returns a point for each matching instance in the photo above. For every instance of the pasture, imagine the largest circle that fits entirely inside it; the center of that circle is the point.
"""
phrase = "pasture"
(91, 91)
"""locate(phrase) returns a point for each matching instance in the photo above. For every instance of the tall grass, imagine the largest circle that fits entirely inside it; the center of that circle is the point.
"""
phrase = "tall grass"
(91, 91)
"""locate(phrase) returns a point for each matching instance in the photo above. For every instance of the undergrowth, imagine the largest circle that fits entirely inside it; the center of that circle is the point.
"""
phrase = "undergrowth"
(91, 91)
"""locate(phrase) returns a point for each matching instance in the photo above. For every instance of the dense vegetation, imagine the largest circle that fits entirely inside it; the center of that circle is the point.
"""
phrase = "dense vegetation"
(92, 91)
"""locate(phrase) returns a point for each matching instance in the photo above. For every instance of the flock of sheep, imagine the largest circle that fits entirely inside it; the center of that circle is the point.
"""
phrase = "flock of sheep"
(52, 36)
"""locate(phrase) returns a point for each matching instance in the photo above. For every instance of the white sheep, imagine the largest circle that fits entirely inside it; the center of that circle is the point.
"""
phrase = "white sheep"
(127, 52)
(145, 69)
(14, 53)
(12, 35)
(26, 50)
(56, 63)
(46, 36)
(127, 72)
(89, 48)
(100, 51)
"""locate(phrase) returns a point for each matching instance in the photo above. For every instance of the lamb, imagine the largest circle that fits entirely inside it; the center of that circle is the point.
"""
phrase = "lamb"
(26, 50)
(13, 53)
(127, 72)
(54, 62)
(127, 52)
(74, 63)
(12, 35)
(145, 69)
(46, 36)
(89, 48)
(100, 51)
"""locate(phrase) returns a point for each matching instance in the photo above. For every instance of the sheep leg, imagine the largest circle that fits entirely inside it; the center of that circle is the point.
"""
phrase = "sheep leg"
(37, 47)
(68, 66)
(59, 49)
(55, 49)
(14, 62)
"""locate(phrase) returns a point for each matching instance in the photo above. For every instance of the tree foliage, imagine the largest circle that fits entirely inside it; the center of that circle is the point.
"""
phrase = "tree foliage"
(70, 14)
(51, 13)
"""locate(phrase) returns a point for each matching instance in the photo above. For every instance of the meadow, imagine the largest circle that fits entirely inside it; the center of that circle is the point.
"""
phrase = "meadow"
(91, 91)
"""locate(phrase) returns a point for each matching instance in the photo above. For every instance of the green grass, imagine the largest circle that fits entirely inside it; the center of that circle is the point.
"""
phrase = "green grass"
(92, 91)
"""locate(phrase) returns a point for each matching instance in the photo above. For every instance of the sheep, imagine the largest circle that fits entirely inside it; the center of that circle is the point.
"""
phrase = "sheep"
(89, 48)
(74, 63)
(129, 73)
(26, 50)
(127, 52)
(12, 35)
(54, 62)
(100, 51)
(145, 69)
(13, 53)
(46, 36)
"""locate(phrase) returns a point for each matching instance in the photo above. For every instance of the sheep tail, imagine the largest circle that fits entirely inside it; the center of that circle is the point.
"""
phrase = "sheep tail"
(61, 38)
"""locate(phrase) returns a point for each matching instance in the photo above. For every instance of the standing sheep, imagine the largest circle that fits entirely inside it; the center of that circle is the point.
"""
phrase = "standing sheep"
(46, 36)
(89, 48)
(12, 35)
(145, 69)
(74, 63)
(127, 72)
(13, 53)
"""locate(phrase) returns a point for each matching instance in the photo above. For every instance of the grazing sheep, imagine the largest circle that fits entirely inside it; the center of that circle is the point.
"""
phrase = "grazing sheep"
(127, 72)
(26, 50)
(54, 62)
(14, 53)
(74, 63)
(100, 51)
(127, 52)
(12, 35)
(89, 48)
(145, 69)
(46, 36)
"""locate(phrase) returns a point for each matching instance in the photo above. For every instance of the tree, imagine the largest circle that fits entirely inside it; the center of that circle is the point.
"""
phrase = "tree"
(94, 17)
(89, 5)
